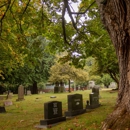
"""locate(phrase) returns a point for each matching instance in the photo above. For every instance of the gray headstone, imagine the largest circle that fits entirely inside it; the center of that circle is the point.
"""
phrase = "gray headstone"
(20, 93)
(9, 97)
(8, 103)
(1, 97)
(28, 92)
(52, 113)
(75, 105)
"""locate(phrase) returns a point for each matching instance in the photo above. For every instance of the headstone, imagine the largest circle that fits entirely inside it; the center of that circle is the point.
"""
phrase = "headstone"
(8, 103)
(94, 99)
(2, 109)
(20, 93)
(95, 90)
(40, 92)
(75, 105)
(52, 113)
(9, 96)
(1, 97)
(28, 92)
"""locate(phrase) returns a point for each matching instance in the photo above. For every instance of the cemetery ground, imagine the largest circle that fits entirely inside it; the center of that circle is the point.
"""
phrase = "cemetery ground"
(26, 114)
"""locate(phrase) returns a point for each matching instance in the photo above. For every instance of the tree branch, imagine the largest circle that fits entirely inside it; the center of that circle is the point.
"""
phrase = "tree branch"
(85, 10)
(26, 7)
(3, 5)
(4, 16)
(63, 23)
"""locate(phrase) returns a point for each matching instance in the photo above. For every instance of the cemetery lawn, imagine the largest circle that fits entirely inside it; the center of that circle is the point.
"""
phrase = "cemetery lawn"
(26, 114)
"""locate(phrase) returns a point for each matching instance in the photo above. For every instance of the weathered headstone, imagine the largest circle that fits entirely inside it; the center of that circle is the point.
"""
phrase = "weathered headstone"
(1, 97)
(52, 113)
(75, 105)
(94, 99)
(9, 95)
(8, 103)
(2, 109)
(28, 92)
(20, 93)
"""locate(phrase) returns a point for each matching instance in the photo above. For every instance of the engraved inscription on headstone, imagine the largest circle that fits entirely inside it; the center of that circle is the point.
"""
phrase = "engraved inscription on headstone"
(52, 113)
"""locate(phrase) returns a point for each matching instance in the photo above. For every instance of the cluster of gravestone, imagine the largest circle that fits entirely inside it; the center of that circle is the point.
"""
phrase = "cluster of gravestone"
(6, 99)
(53, 109)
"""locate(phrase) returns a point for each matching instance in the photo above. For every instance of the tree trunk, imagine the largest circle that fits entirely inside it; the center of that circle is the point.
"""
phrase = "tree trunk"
(69, 86)
(115, 15)
(34, 89)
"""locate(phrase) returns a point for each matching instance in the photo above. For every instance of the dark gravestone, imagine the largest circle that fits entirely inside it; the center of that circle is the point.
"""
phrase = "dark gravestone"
(52, 113)
(2, 110)
(95, 90)
(94, 99)
(75, 105)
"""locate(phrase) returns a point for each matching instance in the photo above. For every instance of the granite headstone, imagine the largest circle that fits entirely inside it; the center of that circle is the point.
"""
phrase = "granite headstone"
(75, 105)
(52, 113)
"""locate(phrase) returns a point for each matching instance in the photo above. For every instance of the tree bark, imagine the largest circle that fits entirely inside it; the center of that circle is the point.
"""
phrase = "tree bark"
(115, 15)
(34, 89)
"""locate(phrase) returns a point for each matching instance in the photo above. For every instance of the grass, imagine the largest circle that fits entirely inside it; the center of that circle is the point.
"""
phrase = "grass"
(25, 115)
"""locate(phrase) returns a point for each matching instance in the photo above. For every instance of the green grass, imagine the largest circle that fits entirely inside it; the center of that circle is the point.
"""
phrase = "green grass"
(25, 115)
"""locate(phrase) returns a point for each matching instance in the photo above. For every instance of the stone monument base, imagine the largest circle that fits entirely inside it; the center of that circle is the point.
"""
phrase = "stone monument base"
(74, 113)
(52, 121)
(92, 106)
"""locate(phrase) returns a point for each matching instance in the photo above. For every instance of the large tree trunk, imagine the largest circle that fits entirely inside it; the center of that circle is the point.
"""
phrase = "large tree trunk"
(115, 15)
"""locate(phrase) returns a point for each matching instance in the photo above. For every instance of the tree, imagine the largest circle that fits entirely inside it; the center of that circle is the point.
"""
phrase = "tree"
(106, 80)
(104, 53)
(60, 73)
(115, 16)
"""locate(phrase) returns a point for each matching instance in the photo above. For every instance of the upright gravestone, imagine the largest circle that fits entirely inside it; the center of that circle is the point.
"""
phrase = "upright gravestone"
(95, 90)
(28, 92)
(52, 113)
(94, 99)
(20, 93)
(9, 95)
(75, 105)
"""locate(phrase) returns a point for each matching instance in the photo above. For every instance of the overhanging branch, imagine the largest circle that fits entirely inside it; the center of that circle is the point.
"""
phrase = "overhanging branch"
(67, 7)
